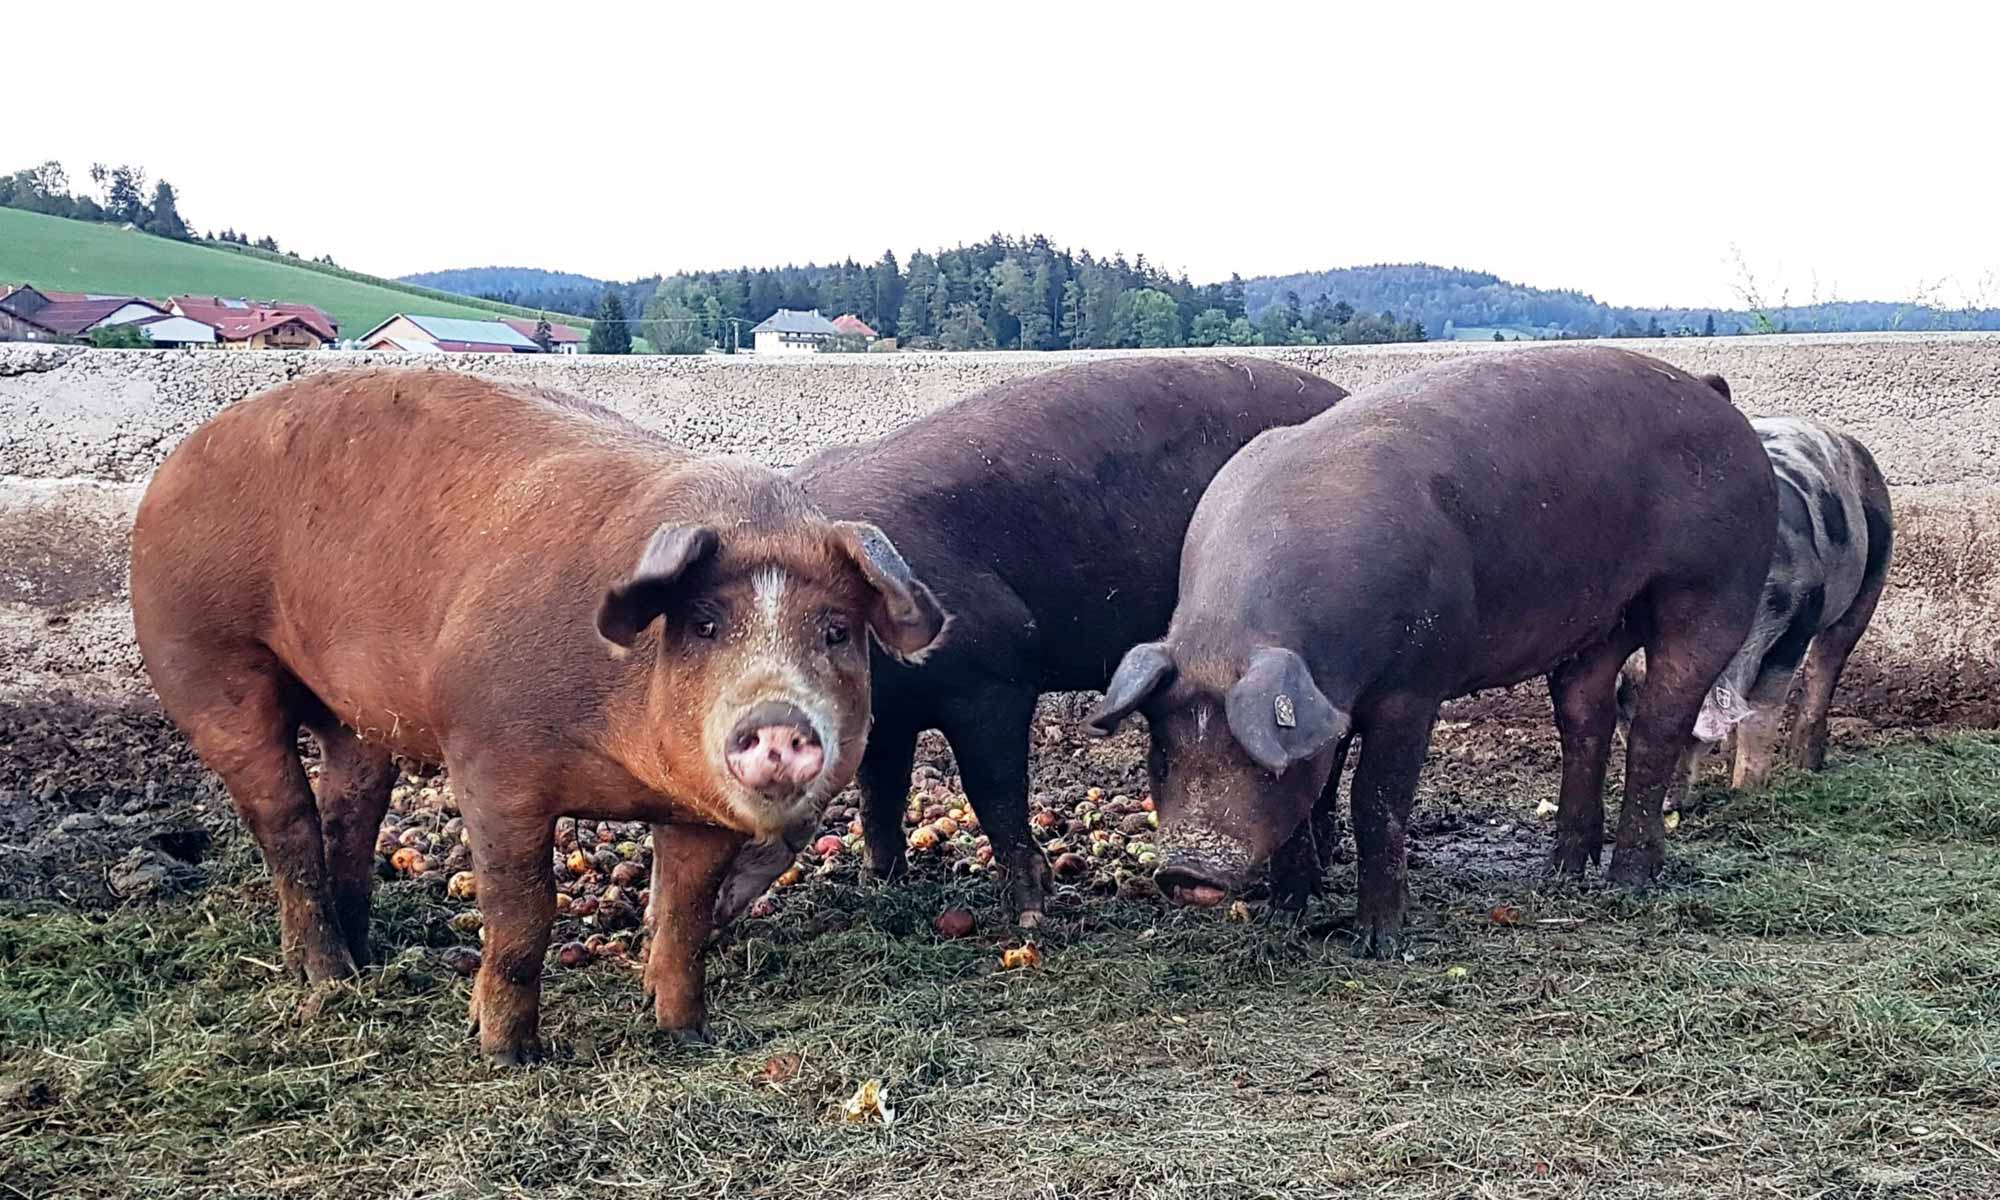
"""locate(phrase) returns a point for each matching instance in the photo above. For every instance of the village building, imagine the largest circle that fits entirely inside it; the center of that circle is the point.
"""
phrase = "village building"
(789, 331)
(178, 333)
(563, 339)
(29, 314)
(260, 324)
(447, 335)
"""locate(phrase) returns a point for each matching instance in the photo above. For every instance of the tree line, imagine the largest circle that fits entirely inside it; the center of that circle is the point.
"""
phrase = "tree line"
(122, 197)
(1003, 293)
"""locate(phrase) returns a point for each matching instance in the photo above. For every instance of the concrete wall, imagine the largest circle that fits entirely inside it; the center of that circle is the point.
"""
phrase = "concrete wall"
(80, 430)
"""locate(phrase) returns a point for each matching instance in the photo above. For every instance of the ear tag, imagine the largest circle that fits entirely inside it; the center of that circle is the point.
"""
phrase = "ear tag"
(1287, 718)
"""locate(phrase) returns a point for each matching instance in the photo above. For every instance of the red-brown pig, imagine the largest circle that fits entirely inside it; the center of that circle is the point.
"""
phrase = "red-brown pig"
(1467, 526)
(572, 615)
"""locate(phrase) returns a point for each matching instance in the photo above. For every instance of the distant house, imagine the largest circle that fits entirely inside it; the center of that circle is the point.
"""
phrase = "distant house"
(29, 314)
(260, 324)
(850, 325)
(563, 339)
(178, 333)
(449, 335)
(788, 331)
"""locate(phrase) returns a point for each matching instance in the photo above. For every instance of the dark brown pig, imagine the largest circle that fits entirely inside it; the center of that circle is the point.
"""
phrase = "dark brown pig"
(572, 615)
(1467, 526)
(1048, 514)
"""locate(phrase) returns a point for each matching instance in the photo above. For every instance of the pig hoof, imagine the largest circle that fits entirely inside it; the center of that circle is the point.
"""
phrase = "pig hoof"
(328, 966)
(1571, 855)
(887, 869)
(1030, 919)
(1378, 943)
(514, 1054)
(1634, 870)
(698, 1034)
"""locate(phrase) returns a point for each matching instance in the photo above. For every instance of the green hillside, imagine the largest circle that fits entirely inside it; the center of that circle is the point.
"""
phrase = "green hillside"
(78, 256)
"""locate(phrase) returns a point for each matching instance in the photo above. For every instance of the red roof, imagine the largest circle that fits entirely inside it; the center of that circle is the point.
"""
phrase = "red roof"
(849, 323)
(240, 320)
(73, 318)
(558, 334)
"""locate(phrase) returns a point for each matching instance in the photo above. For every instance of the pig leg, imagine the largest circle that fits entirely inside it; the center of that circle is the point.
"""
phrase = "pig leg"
(241, 713)
(1298, 869)
(1585, 692)
(884, 781)
(690, 862)
(1694, 635)
(355, 780)
(1758, 733)
(1395, 737)
(1826, 660)
(512, 848)
(989, 738)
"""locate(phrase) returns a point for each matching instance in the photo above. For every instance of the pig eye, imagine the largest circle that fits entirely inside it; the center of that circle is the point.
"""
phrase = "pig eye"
(836, 633)
(704, 628)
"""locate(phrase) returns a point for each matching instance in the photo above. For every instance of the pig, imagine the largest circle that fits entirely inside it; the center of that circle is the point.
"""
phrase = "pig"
(1466, 526)
(1047, 513)
(1836, 530)
(574, 616)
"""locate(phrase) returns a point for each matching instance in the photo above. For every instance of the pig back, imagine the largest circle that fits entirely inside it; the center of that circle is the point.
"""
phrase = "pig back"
(354, 519)
(1051, 509)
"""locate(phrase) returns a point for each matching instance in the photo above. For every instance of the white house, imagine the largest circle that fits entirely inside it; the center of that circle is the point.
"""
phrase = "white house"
(177, 332)
(791, 332)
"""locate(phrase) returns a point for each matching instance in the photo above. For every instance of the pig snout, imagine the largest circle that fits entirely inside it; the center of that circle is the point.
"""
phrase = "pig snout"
(1202, 871)
(774, 749)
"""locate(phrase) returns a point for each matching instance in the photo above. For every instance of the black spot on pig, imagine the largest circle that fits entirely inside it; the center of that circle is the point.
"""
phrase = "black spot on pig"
(1834, 517)
(1793, 515)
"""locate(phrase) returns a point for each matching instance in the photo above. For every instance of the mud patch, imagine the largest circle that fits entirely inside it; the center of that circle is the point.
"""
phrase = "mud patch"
(99, 804)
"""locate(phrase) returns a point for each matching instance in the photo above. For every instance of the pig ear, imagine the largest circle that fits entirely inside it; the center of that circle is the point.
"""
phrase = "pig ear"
(642, 599)
(906, 619)
(1279, 715)
(1146, 669)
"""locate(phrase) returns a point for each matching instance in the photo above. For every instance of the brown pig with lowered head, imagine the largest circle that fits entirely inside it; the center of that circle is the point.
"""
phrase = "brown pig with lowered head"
(572, 615)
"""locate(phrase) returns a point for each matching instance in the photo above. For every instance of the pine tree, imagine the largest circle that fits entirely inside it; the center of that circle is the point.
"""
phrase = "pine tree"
(611, 335)
(166, 218)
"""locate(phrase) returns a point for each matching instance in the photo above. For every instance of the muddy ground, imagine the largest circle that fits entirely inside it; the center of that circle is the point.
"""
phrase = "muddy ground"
(100, 805)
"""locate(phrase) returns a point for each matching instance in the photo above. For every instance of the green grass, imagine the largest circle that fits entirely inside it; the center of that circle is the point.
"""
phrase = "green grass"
(81, 256)
(1811, 1008)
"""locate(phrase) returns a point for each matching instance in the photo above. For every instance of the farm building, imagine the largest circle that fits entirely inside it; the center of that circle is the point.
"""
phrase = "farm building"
(451, 335)
(853, 326)
(178, 333)
(563, 339)
(29, 314)
(260, 324)
(788, 331)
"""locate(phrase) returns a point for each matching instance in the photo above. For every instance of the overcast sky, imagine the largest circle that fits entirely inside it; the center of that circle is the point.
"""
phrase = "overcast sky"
(1629, 156)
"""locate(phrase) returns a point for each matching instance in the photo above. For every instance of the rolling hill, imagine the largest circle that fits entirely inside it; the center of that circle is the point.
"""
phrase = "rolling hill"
(1477, 303)
(79, 256)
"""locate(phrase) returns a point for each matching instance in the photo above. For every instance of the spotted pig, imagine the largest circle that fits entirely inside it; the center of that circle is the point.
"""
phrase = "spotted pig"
(1835, 531)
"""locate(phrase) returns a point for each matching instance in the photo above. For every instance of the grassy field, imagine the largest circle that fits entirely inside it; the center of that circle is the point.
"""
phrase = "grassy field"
(1809, 1008)
(79, 256)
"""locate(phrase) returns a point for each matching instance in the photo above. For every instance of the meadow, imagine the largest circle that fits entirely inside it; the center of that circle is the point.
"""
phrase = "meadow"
(80, 256)
(1808, 1006)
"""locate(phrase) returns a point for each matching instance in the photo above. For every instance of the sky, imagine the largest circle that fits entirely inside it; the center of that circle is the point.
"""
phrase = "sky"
(1658, 155)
